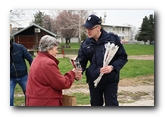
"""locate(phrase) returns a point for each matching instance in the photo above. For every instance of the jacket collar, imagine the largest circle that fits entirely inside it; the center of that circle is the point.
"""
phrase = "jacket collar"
(48, 55)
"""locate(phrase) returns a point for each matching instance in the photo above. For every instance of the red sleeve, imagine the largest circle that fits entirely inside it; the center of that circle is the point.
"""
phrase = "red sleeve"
(55, 78)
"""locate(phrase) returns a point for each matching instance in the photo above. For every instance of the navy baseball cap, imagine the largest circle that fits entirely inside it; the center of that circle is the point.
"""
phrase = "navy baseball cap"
(91, 21)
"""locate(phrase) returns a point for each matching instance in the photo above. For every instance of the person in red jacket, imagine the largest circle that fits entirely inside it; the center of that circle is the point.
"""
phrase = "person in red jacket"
(45, 82)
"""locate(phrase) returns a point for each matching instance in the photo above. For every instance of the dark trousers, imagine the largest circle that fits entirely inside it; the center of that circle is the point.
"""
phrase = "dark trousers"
(105, 93)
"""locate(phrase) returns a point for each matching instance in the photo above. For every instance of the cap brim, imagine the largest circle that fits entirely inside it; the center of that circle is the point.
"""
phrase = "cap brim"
(88, 25)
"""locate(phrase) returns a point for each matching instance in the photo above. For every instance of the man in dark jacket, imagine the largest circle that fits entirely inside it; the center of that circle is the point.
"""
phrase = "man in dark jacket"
(93, 50)
(18, 68)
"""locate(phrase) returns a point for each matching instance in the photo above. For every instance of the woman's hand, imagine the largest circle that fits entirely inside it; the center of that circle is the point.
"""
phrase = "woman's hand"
(78, 73)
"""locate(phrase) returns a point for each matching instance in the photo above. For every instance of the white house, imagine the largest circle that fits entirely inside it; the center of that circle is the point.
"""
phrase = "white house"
(124, 32)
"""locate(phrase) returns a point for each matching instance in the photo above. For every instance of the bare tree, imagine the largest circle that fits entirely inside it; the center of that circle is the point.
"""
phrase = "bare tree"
(133, 31)
(83, 14)
(47, 22)
(69, 23)
(50, 20)
(19, 16)
(15, 16)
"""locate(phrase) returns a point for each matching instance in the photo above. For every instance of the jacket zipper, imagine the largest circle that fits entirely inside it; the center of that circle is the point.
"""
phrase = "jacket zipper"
(15, 70)
(14, 67)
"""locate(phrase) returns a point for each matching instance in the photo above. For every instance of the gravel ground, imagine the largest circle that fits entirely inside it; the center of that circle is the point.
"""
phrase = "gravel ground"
(130, 92)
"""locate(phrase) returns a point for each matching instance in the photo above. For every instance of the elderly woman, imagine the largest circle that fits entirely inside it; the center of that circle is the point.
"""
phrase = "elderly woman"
(45, 82)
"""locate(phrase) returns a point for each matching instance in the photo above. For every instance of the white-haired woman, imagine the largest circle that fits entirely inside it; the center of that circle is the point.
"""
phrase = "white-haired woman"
(45, 82)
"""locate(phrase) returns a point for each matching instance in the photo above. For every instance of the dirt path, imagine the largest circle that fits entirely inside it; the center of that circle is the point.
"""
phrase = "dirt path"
(140, 57)
(130, 90)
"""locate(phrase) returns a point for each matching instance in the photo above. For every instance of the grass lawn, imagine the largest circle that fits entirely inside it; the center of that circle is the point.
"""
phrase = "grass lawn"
(131, 49)
(132, 69)
(139, 49)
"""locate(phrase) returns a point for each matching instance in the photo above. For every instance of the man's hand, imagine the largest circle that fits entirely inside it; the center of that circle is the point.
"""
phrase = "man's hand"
(106, 69)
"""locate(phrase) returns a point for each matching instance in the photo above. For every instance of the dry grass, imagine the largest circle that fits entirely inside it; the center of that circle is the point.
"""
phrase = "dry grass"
(140, 80)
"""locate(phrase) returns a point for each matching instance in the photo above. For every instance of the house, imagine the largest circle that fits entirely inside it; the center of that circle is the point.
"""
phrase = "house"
(124, 32)
(30, 36)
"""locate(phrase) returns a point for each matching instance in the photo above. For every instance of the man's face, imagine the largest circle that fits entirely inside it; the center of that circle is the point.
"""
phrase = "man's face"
(92, 32)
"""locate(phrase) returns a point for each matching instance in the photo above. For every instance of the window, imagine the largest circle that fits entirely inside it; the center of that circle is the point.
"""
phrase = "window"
(123, 29)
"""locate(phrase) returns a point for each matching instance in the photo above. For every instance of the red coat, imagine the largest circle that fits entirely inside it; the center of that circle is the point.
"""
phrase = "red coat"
(45, 82)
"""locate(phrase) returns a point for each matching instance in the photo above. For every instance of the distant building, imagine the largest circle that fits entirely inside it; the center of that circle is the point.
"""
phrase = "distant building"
(29, 36)
(124, 32)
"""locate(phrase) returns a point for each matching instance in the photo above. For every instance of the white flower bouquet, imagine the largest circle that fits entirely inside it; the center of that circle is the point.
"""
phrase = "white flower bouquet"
(111, 50)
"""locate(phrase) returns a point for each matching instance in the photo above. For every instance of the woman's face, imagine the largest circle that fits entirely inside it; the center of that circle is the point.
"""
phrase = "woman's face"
(53, 51)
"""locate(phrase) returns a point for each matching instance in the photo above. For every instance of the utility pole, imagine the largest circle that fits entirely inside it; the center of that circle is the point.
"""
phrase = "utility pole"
(105, 16)
(79, 29)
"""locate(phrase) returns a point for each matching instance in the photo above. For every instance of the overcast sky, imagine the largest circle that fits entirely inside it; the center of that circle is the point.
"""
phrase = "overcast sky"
(122, 17)
(113, 17)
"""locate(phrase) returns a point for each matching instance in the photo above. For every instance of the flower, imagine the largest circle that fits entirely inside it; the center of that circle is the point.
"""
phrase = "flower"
(110, 52)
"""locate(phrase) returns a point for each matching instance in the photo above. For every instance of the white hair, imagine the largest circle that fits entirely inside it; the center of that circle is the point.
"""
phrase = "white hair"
(47, 42)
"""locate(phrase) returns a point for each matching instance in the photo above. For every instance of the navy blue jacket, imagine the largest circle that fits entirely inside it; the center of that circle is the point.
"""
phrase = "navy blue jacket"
(18, 54)
(93, 51)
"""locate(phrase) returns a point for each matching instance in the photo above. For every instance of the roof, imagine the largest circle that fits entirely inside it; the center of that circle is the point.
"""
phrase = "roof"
(35, 26)
(116, 25)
